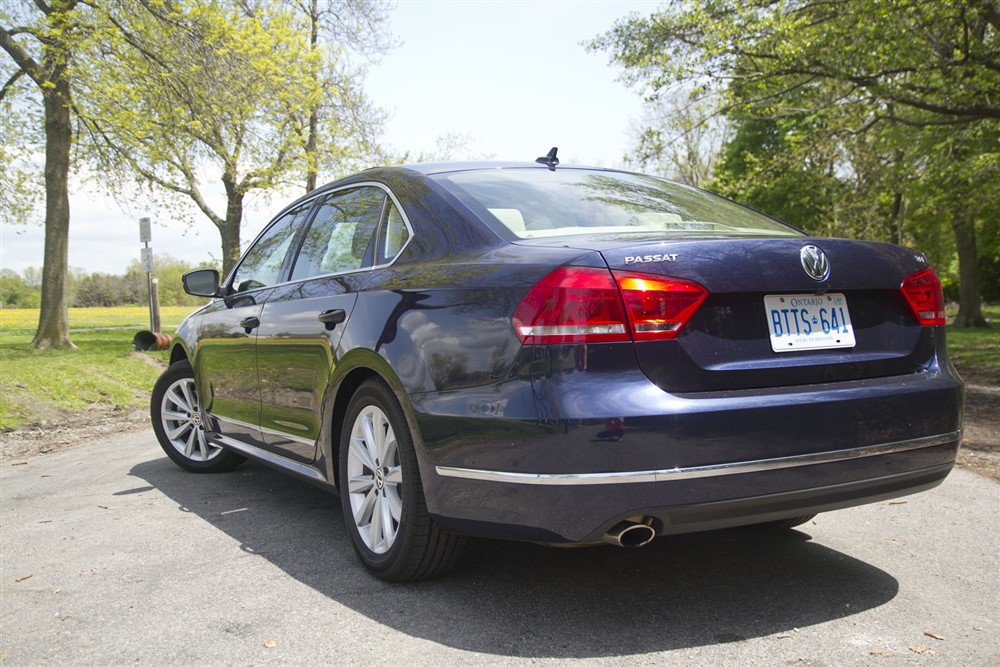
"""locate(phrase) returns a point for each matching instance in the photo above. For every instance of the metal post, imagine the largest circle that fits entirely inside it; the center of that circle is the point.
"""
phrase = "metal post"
(145, 236)
(149, 291)
(154, 305)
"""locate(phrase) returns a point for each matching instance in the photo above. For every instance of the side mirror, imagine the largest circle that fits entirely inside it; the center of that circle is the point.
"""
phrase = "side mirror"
(202, 282)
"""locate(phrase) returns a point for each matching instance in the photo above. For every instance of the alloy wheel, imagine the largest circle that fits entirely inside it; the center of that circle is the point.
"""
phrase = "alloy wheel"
(180, 416)
(375, 479)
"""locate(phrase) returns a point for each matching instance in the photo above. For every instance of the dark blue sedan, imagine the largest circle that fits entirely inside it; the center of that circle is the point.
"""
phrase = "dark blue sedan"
(562, 355)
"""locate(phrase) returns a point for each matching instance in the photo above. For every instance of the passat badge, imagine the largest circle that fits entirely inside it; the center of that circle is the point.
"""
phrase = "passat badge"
(815, 263)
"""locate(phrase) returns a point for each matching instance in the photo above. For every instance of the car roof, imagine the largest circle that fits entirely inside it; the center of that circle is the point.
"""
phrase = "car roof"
(430, 168)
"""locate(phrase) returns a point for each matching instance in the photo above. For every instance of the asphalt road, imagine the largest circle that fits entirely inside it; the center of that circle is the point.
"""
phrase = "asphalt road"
(109, 554)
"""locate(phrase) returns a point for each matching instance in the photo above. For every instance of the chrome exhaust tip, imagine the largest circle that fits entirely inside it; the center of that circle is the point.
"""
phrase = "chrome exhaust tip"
(631, 533)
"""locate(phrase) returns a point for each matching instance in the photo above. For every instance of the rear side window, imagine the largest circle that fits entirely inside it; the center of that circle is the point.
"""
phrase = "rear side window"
(534, 203)
(341, 236)
(393, 235)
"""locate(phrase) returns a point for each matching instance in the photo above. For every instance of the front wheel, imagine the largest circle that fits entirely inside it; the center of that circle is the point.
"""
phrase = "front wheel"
(381, 494)
(176, 414)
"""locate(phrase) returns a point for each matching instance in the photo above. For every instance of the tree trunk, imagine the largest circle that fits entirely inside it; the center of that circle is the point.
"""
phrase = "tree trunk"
(312, 137)
(230, 229)
(311, 142)
(53, 321)
(896, 218)
(970, 310)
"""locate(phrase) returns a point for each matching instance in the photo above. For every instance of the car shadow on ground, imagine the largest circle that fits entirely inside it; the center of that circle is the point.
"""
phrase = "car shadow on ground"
(524, 600)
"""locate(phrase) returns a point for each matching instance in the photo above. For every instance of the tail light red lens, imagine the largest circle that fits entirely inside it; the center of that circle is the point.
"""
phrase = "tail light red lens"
(588, 305)
(572, 305)
(923, 293)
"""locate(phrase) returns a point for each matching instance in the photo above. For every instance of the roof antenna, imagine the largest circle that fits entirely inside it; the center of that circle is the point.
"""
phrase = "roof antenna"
(549, 160)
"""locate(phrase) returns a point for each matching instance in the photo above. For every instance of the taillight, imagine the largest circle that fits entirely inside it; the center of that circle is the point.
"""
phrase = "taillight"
(923, 292)
(572, 305)
(589, 305)
(658, 307)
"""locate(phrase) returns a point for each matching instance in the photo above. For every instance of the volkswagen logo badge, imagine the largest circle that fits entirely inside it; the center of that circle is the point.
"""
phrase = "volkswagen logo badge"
(815, 263)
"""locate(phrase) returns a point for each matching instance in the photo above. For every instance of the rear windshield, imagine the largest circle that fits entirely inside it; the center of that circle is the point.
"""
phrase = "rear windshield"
(535, 203)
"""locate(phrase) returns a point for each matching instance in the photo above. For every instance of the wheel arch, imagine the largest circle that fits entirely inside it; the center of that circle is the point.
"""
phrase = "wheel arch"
(353, 370)
(346, 389)
(178, 353)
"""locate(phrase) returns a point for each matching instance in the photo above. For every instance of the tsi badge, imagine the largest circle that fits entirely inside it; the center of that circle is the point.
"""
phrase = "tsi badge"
(815, 263)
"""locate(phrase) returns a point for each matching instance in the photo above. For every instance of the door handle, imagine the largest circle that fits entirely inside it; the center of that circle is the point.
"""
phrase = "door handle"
(249, 324)
(332, 317)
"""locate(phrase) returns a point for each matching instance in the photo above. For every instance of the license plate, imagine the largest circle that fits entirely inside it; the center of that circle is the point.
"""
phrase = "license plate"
(808, 322)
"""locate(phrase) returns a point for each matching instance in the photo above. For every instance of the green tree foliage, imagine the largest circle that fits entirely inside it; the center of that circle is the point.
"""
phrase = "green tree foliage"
(187, 89)
(787, 167)
(338, 131)
(89, 290)
(874, 116)
(920, 62)
(681, 138)
(958, 186)
(103, 290)
(186, 86)
(759, 166)
(16, 292)
(168, 91)
(20, 172)
(168, 271)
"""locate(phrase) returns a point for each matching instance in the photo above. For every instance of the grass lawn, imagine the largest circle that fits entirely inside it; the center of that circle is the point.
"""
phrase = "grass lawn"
(977, 349)
(38, 385)
(104, 370)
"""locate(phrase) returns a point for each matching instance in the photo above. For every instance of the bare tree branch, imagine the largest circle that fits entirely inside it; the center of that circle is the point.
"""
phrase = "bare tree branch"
(10, 83)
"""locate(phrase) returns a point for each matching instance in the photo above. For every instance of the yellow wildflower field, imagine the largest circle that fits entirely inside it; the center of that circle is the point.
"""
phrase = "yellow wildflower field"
(26, 319)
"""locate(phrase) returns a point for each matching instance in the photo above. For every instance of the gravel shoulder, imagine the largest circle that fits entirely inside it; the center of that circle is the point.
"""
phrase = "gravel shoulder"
(980, 452)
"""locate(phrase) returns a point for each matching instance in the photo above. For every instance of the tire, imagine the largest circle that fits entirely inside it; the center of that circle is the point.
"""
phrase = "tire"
(176, 414)
(381, 494)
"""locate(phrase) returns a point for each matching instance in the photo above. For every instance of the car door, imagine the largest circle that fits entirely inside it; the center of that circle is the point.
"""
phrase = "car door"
(224, 358)
(302, 322)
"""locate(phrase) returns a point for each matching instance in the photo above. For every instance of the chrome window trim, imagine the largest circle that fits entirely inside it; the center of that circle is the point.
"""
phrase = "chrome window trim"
(402, 213)
(312, 202)
(306, 204)
(696, 472)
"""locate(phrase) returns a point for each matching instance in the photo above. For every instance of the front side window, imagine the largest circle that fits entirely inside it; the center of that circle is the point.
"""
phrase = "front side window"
(340, 237)
(261, 266)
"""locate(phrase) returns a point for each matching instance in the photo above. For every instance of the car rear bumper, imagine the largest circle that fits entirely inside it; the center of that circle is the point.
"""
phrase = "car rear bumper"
(583, 509)
(696, 472)
(706, 462)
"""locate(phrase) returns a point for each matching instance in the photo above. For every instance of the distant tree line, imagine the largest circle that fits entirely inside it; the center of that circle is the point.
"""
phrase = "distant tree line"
(93, 290)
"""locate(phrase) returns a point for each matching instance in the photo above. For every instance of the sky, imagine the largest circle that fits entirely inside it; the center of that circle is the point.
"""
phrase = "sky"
(511, 77)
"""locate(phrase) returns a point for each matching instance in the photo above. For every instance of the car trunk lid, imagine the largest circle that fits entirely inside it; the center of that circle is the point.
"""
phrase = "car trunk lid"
(759, 287)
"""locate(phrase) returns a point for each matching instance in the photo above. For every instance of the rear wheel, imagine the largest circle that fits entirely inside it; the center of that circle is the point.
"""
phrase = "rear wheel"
(381, 493)
(176, 414)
